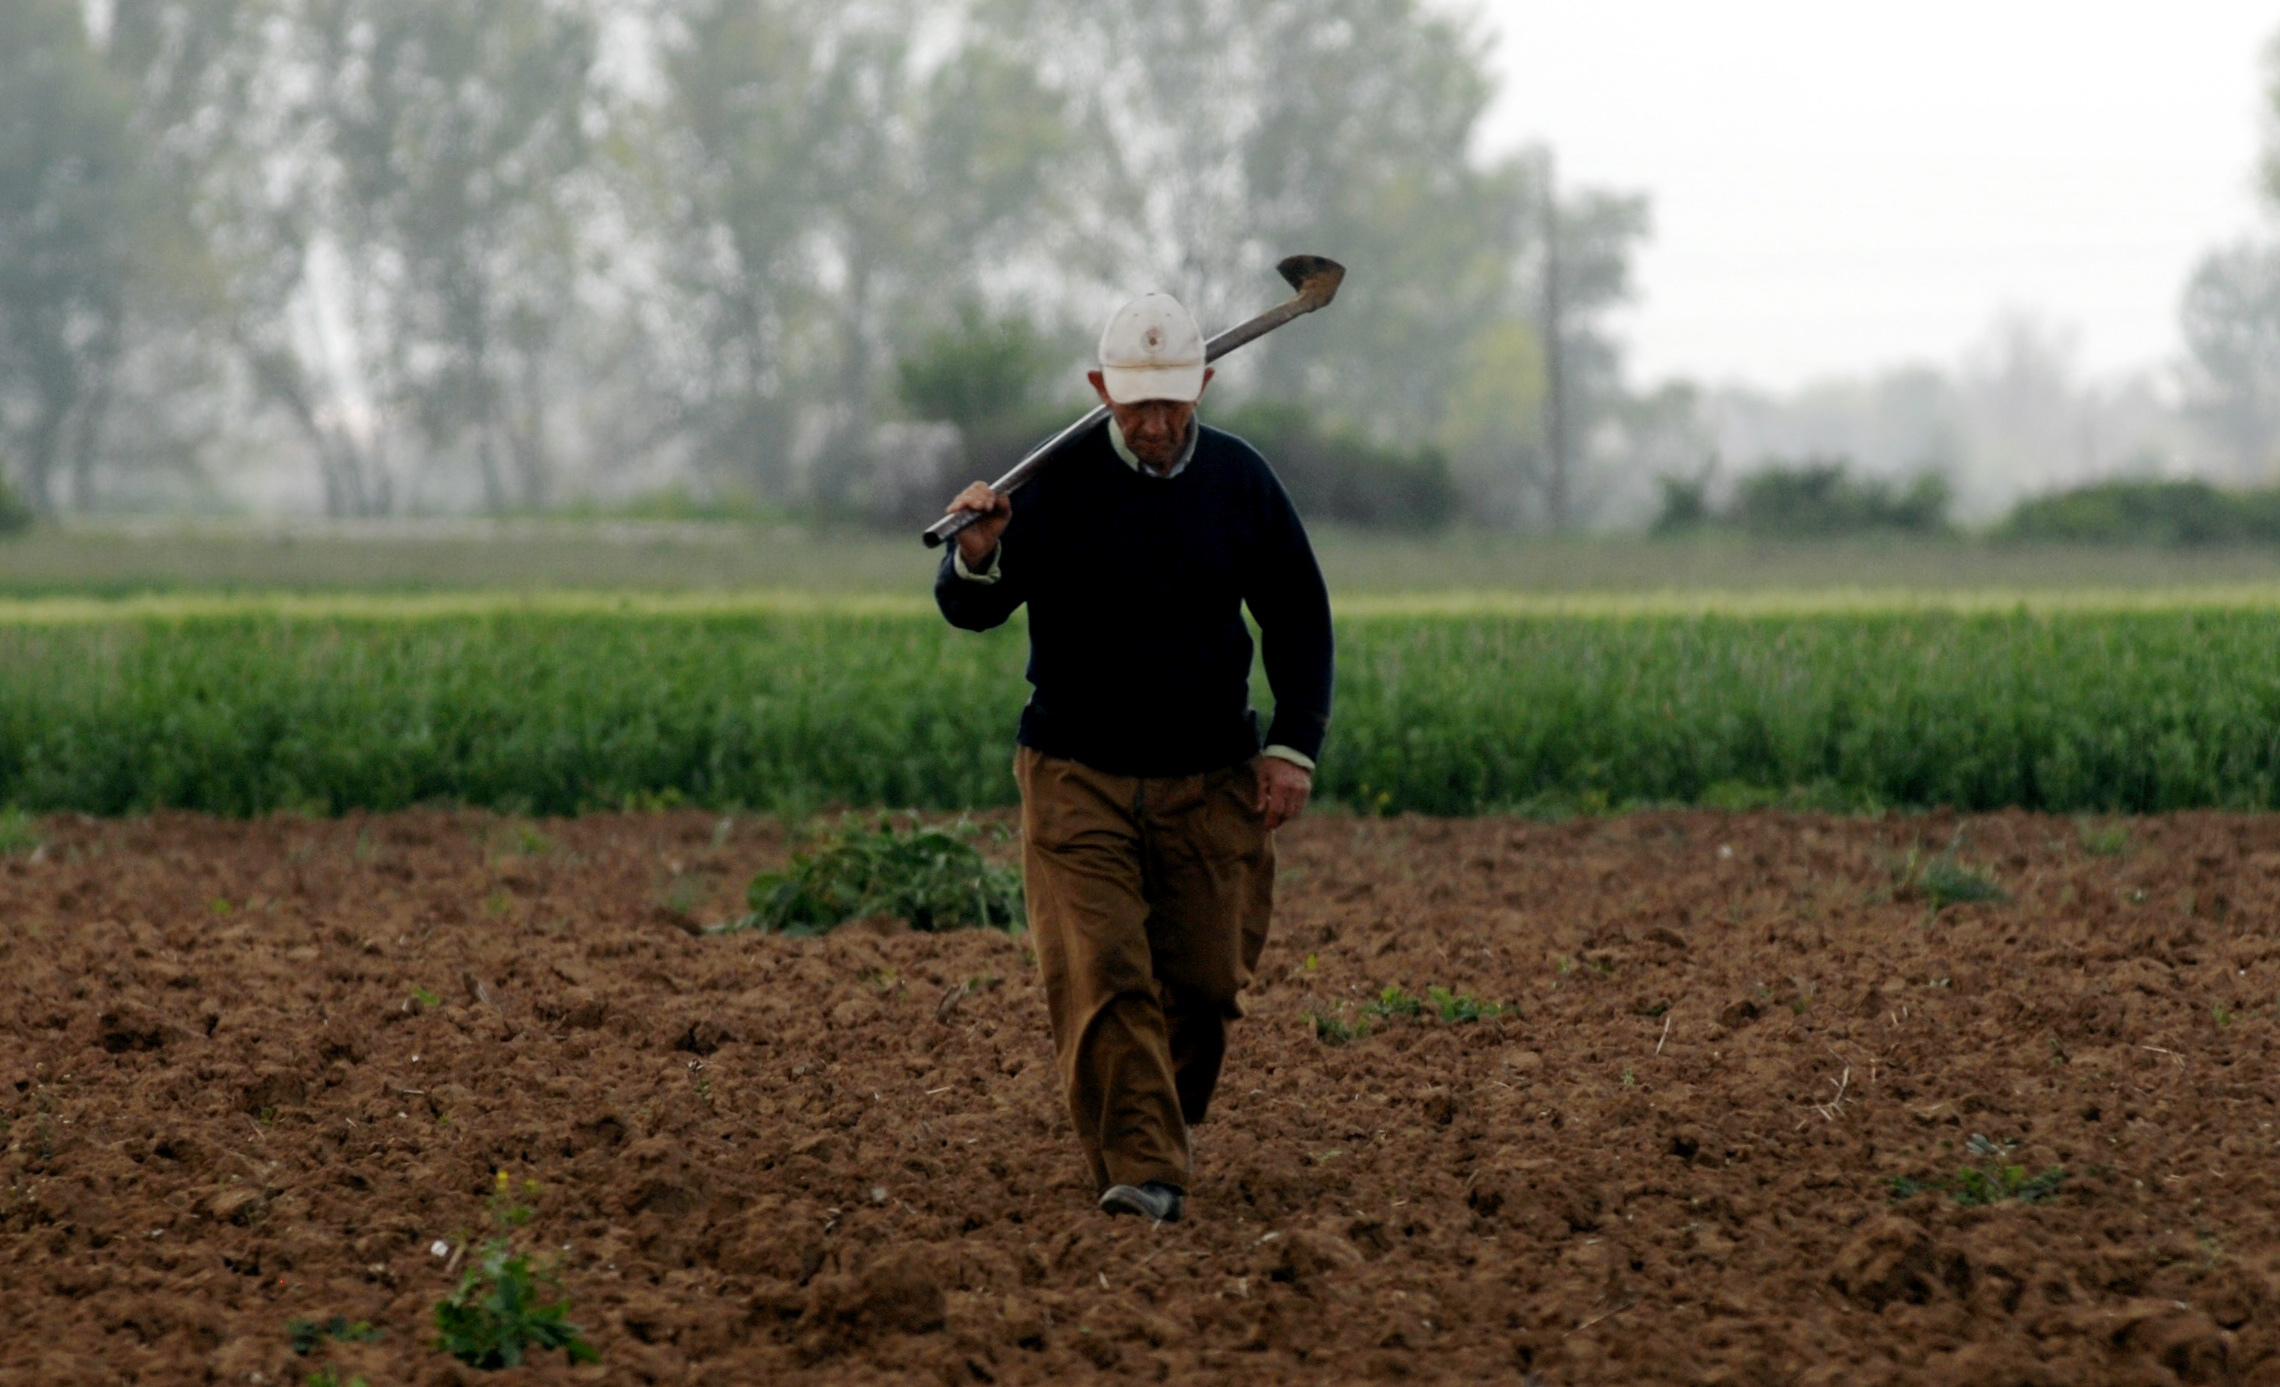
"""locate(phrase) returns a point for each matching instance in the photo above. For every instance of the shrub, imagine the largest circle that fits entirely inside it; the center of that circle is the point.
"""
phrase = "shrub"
(1816, 498)
(1338, 475)
(993, 379)
(2174, 514)
(932, 876)
(1820, 497)
(1685, 505)
(15, 513)
(977, 373)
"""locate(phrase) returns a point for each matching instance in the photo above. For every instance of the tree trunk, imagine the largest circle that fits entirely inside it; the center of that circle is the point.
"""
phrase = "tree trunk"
(92, 414)
(46, 441)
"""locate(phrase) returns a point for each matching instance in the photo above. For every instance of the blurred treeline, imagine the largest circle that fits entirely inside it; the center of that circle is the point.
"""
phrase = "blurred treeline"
(371, 257)
(1827, 498)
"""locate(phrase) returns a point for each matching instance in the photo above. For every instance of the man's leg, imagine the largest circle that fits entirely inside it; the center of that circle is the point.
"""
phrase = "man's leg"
(1211, 883)
(1081, 871)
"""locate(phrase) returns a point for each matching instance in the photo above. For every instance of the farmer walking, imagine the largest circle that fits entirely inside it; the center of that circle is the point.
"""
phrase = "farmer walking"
(1148, 804)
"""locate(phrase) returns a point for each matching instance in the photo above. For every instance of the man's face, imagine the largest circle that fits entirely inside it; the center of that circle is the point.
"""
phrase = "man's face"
(1155, 430)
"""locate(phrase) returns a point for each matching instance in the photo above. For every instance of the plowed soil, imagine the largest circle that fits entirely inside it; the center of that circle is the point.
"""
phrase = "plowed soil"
(259, 1072)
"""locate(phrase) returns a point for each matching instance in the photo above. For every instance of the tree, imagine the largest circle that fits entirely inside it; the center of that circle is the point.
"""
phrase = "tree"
(396, 216)
(843, 193)
(1583, 270)
(1493, 424)
(990, 378)
(2231, 323)
(982, 374)
(71, 205)
(1212, 137)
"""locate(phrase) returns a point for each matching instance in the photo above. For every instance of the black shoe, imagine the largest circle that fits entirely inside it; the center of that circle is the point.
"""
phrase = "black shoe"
(1155, 1201)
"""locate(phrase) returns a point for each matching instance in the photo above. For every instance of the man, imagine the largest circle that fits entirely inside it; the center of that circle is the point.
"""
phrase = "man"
(1148, 807)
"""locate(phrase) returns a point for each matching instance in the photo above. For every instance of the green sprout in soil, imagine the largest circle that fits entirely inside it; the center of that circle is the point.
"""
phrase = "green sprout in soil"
(19, 833)
(329, 1376)
(1994, 1180)
(1462, 1006)
(1394, 1002)
(496, 1318)
(685, 893)
(932, 876)
(304, 1336)
(2103, 840)
(1457, 1007)
(1941, 881)
(1332, 1030)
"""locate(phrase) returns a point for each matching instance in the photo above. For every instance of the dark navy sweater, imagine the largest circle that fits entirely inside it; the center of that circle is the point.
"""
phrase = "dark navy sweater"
(1138, 655)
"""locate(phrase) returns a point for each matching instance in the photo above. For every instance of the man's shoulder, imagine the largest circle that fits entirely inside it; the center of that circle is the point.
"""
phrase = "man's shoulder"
(1223, 441)
(1236, 453)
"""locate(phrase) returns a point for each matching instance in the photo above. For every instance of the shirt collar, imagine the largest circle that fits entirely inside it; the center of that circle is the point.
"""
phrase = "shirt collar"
(1132, 459)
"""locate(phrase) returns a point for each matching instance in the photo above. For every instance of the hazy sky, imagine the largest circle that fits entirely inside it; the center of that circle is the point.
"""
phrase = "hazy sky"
(1839, 186)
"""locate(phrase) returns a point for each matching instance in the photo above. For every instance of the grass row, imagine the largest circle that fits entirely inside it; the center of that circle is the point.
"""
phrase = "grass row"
(554, 709)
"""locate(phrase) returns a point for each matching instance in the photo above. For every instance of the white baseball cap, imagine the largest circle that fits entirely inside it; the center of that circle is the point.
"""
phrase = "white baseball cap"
(1152, 350)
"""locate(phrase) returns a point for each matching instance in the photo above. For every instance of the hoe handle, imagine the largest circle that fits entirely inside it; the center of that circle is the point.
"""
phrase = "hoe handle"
(1315, 278)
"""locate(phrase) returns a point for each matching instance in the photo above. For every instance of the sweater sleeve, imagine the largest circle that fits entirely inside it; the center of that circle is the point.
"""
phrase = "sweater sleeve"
(1286, 595)
(981, 602)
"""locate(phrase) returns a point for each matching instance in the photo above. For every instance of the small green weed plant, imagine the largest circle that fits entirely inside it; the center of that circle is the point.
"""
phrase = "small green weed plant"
(1940, 880)
(2103, 840)
(1397, 1003)
(934, 876)
(1994, 1179)
(498, 1316)
(1461, 1007)
(1393, 1002)
(306, 1336)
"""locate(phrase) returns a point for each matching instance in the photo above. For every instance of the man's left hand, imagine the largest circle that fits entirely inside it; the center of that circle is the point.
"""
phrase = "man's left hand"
(1283, 790)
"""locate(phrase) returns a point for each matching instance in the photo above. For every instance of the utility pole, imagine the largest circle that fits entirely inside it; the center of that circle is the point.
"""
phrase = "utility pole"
(1555, 358)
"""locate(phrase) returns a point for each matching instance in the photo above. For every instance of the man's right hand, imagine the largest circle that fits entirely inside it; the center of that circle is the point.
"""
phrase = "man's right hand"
(977, 540)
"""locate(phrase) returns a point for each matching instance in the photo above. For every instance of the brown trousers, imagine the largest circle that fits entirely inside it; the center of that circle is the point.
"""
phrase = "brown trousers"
(1149, 902)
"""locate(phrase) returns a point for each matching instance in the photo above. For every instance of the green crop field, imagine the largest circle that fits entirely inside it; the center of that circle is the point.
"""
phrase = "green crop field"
(1449, 704)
